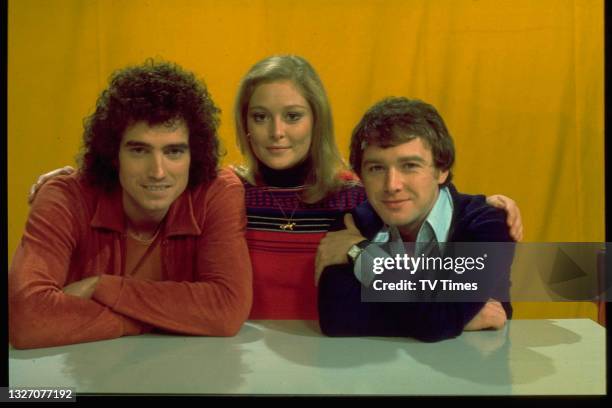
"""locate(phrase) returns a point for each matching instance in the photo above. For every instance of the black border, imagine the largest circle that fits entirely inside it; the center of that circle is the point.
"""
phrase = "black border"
(3, 187)
(4, 214)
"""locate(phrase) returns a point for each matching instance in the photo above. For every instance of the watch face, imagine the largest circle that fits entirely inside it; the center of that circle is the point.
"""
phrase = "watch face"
(354, 252)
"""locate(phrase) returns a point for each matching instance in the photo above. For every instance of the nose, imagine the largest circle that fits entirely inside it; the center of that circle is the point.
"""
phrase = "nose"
(278, 128)
(157, 167)
(393, 182)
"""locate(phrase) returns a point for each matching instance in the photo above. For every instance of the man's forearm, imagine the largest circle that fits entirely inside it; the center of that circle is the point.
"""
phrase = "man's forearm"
(50, 318)
(195, 308)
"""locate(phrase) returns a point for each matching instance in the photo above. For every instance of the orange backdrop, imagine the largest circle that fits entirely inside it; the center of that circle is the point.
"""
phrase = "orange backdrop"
(519, 83)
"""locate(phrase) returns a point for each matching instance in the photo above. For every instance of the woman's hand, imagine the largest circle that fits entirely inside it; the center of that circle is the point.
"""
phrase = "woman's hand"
(64, 171)
(513, 214)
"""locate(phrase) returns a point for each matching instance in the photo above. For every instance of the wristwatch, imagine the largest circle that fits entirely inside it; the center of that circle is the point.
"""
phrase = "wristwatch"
(355, 250)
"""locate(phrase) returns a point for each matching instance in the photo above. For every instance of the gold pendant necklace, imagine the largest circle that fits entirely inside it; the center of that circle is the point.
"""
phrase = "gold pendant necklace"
(288, 226)
(289, 223)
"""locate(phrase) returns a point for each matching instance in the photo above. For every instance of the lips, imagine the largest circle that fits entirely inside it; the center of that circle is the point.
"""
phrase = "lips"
(394, 204)
(277, 151)
(155, 188)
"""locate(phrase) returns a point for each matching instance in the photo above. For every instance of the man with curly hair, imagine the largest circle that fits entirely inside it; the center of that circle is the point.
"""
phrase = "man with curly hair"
(140, 238)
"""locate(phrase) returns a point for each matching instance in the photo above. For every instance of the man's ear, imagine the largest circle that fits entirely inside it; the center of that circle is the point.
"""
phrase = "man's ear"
(442, 176)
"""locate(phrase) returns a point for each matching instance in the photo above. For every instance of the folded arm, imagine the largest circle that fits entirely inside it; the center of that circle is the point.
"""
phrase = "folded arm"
(342, 313)
(40, 313)
(217, 299)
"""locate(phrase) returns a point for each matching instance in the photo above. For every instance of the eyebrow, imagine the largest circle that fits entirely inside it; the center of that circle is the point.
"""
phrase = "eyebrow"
(133, 143)
(401, 159)
(411, 158)
(285, 107)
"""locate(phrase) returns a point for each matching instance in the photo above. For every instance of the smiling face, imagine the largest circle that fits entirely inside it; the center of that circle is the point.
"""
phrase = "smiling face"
(279, 123)
(153, 168)
(402, 184)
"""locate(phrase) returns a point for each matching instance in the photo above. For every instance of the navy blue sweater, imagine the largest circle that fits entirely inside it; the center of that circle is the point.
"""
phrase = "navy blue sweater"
(342, 313)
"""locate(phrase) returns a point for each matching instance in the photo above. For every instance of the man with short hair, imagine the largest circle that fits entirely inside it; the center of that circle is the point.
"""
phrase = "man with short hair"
(148, 234)
(403, 153)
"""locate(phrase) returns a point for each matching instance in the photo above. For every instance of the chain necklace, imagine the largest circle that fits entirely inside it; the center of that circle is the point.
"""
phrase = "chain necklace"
(289, 224)
(144, 240)
(151, 244)
(132, 232)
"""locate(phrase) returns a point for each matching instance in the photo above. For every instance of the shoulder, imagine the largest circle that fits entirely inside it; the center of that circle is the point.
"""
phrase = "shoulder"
(226, 179)
(65, 202)
(475, 220)
(367, 220)
(347, 194)
(224, 193)
(65, 183)
(342, 200)
(71, 190)
(243, 175)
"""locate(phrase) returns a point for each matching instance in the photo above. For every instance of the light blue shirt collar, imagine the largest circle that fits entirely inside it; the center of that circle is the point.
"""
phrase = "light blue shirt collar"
(437, 224)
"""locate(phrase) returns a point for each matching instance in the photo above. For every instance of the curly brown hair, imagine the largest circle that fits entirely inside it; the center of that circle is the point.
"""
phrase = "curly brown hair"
(156, 92)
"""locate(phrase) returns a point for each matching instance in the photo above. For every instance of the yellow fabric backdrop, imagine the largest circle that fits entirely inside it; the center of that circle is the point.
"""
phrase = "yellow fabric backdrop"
(519, 83)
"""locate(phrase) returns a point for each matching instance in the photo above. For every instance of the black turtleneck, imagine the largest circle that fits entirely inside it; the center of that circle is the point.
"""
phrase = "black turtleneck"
(292, 177)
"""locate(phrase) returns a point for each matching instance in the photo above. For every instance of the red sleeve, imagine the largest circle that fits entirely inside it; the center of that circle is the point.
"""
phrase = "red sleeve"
(40, 314)
(220, 300)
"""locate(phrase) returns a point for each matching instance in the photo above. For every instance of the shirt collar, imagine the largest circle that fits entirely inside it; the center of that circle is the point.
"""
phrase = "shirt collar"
(437, 224)
(180, 219)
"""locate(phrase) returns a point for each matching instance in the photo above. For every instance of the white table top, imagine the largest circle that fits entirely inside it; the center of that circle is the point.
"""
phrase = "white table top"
(528, 357)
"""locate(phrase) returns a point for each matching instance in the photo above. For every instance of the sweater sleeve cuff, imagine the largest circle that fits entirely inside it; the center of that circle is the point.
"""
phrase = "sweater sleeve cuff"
(108, 290)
